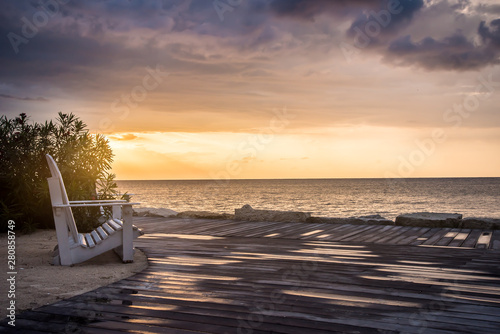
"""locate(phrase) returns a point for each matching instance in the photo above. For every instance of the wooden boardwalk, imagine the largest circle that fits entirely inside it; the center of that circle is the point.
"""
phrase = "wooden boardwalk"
(382, 234)
(234, 277)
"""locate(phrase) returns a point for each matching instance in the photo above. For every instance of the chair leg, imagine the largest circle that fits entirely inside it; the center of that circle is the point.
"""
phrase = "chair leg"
(128, 239)
(64, 257)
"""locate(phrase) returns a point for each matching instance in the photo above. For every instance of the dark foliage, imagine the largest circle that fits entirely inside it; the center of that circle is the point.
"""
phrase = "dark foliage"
(84, 160)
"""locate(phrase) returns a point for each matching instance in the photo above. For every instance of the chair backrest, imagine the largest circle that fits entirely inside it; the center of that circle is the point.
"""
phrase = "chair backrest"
(58, 195)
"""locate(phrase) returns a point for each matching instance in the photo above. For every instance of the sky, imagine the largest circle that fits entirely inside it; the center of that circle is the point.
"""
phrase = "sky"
(237, 89)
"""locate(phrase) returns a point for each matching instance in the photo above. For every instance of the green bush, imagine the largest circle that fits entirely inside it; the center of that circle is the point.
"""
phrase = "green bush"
(84, 160)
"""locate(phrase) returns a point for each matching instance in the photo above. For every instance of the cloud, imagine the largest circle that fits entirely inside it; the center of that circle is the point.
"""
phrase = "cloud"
(125, 137)
(391, 16)
(488, 9)
(491, 34)
(40, 99)
(226, 74)
(308, 9)
(454, 53)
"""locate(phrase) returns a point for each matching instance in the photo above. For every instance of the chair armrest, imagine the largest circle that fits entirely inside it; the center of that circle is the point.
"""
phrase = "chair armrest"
(98, 201)
(93, 204)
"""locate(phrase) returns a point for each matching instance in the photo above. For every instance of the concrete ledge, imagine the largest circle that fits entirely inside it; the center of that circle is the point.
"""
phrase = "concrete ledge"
(430, 219)
(154, 212)
(482, 223)
(249, 214)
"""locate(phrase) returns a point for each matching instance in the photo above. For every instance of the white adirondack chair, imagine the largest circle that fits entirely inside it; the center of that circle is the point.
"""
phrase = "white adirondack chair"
(73, 247)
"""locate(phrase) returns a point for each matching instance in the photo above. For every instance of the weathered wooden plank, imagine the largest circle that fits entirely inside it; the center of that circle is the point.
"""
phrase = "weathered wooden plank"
(357, 233)
(484, 240)
(260, 229)
(424, 237)
(89, 240)
(277, 229)
(109, 230)
(222, 229)
(369, 233)
(460, 238)
(410, 239)
(410, 232)
(313, 233)
(96, 237)
(437, 236)
(103, 234)
(495, 240)
(245, 229)
(295, 232)
(114, 225)
(174, 225)
(197, 228)
(333, 230)
(394, 233)
(265, 230)
(471, 239)
(185, 225)
(386, 233)
(351, 230)
(448, 237)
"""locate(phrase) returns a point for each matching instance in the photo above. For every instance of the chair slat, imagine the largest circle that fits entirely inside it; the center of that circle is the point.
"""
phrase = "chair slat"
(96, 237)
(102, 233)
(81, 240)
(108, 229)
(114, 225)
(118, 222)
(89, 240)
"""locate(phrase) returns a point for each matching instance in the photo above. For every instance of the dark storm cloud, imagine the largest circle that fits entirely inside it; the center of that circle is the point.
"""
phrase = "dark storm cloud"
(307, 9)
(390, 16)
(73, 47)
(491, 34)
(90, 40)
(456, 52)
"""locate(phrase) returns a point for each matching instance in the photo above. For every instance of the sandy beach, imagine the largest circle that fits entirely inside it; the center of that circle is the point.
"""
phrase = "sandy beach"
(39, 283)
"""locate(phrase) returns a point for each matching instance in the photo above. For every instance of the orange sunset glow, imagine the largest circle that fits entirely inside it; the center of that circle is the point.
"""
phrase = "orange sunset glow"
(266, 88)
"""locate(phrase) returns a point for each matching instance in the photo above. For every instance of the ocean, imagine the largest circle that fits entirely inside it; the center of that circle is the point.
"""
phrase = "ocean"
(472, 197)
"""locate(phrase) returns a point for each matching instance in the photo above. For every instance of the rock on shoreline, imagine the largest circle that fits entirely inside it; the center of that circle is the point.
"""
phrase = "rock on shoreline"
(154, 212)
(483, 223)
(429, 219)
(249, 214)
(450, 220)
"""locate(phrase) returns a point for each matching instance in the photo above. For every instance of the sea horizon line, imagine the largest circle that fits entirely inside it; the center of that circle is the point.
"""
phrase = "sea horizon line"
(321, 178)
